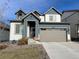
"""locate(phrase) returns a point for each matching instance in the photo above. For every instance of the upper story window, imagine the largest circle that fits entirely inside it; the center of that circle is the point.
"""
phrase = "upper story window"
(19, 15)
(17, 29)
(51, 18)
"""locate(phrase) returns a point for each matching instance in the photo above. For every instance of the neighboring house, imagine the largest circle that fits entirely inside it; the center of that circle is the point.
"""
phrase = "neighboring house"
(72, 17)
(46, 28)
(4, 32)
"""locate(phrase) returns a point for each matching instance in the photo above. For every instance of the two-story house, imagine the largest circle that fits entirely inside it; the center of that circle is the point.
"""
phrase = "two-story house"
(46, 28)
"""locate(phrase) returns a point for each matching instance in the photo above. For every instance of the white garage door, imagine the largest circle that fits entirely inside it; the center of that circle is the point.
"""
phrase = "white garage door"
(53, 35)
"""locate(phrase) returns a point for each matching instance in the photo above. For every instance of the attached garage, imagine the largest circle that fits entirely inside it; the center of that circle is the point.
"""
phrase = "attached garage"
(53, 35)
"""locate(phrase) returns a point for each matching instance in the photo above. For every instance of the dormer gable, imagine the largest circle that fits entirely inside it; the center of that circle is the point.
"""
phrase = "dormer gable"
(37, 13)
(52, 15)
(31, 16)
(52, 11)
(19, 14)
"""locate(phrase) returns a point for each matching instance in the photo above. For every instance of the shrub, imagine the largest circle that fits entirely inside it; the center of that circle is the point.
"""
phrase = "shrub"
(23, 41)
(3, 46)
(14, 41)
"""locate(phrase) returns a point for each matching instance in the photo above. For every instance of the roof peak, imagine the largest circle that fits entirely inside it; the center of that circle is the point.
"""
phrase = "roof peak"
(20, 10)
(32, 14)
(53, 9)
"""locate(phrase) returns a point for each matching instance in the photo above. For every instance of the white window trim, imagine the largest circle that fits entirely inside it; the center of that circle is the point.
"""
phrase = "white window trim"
(16, 29)
(51, 18)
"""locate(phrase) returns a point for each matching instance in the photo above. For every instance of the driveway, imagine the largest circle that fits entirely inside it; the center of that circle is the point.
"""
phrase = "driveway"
(62, 50)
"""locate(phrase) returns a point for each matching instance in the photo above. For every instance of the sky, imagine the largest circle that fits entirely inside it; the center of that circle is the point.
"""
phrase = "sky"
(8, 8)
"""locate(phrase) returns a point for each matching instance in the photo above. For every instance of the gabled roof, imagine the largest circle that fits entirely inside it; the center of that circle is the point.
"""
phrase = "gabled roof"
(15, 21)
(20, 11)
(70, 11)
(68, 16)
(54, 10)
(31, 14)
(36, 12)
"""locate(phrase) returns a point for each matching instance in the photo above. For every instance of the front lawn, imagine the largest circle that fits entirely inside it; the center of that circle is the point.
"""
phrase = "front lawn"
(24, 52)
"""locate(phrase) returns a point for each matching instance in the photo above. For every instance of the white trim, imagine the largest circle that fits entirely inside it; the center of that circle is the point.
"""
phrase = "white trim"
(13, 35)
(28, 32)
(69, 37)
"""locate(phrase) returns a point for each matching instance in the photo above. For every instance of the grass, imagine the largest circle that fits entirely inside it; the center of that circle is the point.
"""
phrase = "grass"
(24, 53)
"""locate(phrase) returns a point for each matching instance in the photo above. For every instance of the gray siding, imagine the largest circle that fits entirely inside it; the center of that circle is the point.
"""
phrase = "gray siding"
(52, 11)
(67, 14)
(31, 18)
(73, 20)
(55, 26)
(4, 35)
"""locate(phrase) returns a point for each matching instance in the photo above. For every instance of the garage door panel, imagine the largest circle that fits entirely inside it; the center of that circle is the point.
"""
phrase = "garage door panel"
(53, 35)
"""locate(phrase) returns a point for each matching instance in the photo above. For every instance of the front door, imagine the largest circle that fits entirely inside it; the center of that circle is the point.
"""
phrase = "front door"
(31, 25)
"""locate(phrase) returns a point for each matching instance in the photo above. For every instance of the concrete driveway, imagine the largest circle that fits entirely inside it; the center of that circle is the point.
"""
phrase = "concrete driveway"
(62, 50)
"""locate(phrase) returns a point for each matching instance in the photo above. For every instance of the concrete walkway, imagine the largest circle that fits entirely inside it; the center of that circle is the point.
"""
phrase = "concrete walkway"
(64, 50)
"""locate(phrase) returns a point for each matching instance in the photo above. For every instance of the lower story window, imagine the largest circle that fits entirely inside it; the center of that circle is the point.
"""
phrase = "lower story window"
(17, 30)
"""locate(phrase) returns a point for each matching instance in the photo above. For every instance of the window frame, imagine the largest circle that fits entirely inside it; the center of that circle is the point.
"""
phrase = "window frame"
(17, 28)
(50, 17)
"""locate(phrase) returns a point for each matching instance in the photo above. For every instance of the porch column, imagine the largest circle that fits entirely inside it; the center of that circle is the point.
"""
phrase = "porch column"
(28, 34)
(25, 29)
(36, 29)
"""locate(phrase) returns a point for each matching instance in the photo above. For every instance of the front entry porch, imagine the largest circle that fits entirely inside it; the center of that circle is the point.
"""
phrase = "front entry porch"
(31, 29)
